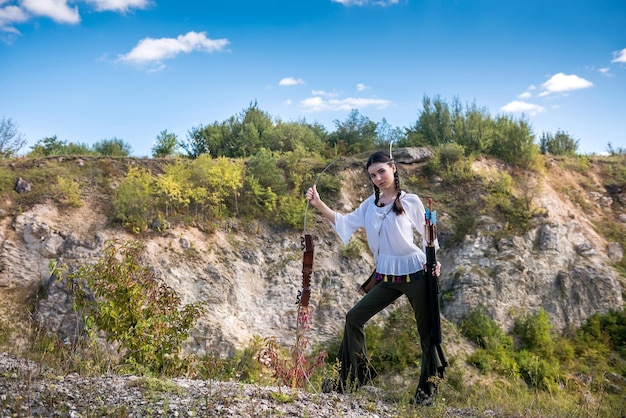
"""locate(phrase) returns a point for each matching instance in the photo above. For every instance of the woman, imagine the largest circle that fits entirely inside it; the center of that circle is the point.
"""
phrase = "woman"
(389, 217)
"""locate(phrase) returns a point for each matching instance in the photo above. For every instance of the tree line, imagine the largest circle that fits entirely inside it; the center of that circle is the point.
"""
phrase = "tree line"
(252, 130)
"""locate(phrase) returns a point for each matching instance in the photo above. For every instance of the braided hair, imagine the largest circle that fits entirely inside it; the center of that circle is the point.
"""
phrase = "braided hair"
(383, 157)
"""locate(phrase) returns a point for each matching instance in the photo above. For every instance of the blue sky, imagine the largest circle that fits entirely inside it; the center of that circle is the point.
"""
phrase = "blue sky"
(87, 70)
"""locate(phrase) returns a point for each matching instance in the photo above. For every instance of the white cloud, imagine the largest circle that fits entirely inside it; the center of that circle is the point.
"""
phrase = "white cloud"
(9, 15)
(324, 93)
(605, 71)
(318, 103)
(361, 87)
(560, 83)
(152, 51)
(57, 10)
(518, 106)
(382, 3)
(290, 81)
(525, 95)
(119, 5)
(619, 56)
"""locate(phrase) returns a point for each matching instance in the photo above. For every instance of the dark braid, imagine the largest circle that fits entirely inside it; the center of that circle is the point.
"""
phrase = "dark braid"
(397, 206)
(383, 157)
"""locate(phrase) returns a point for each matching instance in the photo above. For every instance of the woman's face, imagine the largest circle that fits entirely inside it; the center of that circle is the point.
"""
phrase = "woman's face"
(381, 175)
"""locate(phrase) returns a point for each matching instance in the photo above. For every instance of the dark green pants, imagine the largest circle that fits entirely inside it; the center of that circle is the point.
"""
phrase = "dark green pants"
(355, 368)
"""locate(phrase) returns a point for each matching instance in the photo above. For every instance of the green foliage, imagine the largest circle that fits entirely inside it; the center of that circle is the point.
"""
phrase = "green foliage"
(145, 317)
(51, 146)
(516, 212)
(433, 126)
(514, 143)
(558, 144)
(166, 145)
(478, 327)
(473, 128)
(198, 141)
(7, 181)
(132, 200)
(535, 333)
(173, 188)
(354, 135)
(450, 163)
(258, 200)
(114, 147)
(222, 178)
(291, 210)
(68, 191)
(263, 166)
(538, 372)
(604, 332)
(386, 134)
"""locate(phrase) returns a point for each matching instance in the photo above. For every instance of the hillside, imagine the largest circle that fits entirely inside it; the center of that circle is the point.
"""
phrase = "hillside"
(550, 239)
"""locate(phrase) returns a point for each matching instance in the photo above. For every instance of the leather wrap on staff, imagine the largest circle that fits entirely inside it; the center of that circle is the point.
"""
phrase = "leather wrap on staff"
(307, 269)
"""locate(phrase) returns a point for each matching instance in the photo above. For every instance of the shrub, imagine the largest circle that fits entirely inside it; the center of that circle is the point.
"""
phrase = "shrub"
(132, 200)
(68, 191)
(121, 297)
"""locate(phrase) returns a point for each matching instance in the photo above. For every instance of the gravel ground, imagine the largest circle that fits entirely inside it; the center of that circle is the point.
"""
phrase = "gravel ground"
(27, 389)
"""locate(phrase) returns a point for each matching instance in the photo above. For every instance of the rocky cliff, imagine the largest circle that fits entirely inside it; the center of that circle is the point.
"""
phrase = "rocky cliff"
(249, 275)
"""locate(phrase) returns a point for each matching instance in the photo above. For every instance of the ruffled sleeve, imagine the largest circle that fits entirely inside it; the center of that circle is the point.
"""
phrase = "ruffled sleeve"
(345, 225)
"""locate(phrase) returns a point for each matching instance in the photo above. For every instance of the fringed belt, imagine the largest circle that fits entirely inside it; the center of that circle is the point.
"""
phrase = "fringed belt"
(404, 278)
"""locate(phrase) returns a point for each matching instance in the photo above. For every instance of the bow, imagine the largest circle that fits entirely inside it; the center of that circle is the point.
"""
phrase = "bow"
(306, 242)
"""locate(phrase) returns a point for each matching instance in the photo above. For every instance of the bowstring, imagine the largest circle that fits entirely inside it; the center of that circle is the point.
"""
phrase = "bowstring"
(306, 210)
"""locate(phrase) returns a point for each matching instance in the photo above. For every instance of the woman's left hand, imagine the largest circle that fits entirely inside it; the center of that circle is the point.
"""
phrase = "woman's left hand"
(437, 271)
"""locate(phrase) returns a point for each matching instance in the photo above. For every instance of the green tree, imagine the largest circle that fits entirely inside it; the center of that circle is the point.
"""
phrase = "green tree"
(48, 146)
(356, 134)
(53, 146)
(172, 188)
(132, 200)
(247, 133)
(196, 143)
(535, 334)
(263, 166)
(114, 147)
(514, 142)
(386, 134)
(11, 139)
(434, 124)
(472, 127)
(166, 145)
(559, 144)
(221, 178)
(286, 137)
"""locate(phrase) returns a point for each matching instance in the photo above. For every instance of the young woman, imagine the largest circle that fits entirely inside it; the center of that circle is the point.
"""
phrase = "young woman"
(389, 217)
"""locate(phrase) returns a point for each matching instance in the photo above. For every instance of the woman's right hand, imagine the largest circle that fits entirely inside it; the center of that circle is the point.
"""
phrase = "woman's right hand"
(312, 196)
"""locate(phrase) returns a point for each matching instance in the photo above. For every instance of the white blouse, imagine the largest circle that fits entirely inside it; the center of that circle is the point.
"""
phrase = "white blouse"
(389, 236)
